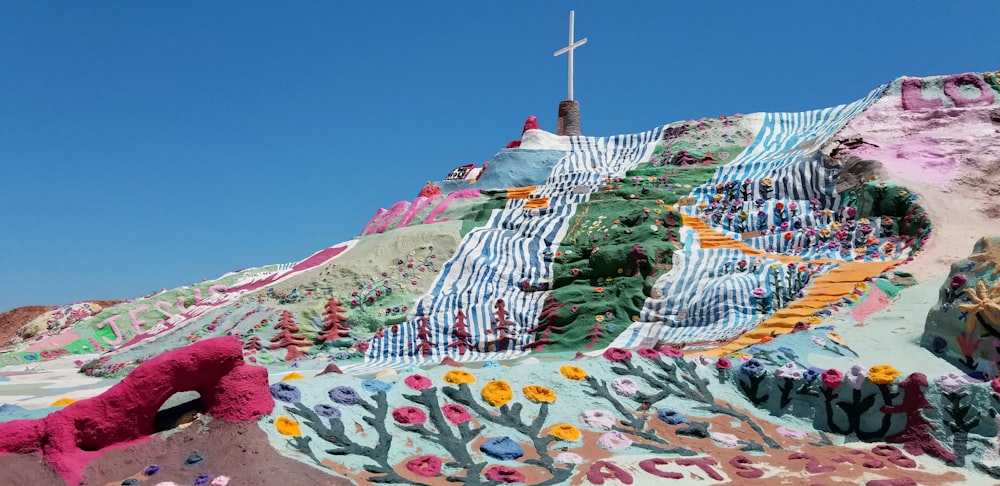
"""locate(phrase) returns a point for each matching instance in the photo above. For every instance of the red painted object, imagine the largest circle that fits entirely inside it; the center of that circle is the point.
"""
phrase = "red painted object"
(70, 438)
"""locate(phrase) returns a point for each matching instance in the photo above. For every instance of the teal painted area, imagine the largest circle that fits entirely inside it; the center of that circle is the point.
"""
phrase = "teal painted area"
(511, 168)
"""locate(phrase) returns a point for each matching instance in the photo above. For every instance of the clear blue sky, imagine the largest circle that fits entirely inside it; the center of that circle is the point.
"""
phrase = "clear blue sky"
(152, 144)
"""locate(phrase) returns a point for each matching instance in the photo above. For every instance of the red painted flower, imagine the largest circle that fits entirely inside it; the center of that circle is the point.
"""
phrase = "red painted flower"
(724, 363)
(832, 378)
(418, 382)
(456, 413)
(967, 343)
(996, 385)
(617, 354)
(504, 474)
(426, 466)
(648, 353)
(409, 416)
(671, 352)
(363, 346)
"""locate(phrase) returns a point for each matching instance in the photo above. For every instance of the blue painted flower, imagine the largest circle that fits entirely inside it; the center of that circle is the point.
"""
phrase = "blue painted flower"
(753, 367)
(345, 395)
(328, 411)
(284, 392)
(938, 344)
(671, 417)
(503, 448)
(811, 374)
(375, 386)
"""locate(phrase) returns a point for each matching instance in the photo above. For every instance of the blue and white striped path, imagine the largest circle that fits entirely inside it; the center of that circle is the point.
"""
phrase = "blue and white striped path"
(786, 149)
(511, 247)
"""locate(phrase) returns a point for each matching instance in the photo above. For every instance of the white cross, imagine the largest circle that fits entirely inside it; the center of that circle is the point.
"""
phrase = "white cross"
(569, 48)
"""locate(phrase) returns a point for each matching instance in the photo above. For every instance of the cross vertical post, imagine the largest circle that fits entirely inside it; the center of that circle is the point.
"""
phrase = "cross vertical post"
(570, 47)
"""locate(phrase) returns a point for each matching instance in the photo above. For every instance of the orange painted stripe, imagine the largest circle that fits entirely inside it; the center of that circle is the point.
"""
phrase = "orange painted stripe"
(520, 192)
(821, 292)
(537, 203)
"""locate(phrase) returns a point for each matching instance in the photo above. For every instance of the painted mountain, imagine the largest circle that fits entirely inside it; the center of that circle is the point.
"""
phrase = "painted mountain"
(749, 299)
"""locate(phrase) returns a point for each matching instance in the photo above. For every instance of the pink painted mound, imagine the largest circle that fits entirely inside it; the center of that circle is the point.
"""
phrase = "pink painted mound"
(70, 438)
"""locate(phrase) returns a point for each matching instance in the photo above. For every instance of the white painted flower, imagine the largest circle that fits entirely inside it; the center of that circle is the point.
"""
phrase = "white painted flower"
(598, 419)
(789, 371)
(856, 376)
(725, 440)
(951, 383)
(569, 458)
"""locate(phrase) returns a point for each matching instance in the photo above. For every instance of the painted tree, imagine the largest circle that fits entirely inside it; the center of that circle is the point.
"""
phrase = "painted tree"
(334, 317)
(547, 320)
(425, 346)
(502, 327)
(288, 337)
(595, 334)
(460, 331)
(253, 344)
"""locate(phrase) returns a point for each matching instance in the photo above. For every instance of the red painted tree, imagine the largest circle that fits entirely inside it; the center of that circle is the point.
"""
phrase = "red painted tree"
(334, 317)
(288, 337)
(253, 344)
(547, 324)
(502, 328)
(425, 346)
(916, 434)
(595, 334)
(460, 331)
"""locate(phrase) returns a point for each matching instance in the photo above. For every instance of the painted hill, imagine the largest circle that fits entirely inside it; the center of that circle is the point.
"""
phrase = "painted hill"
(743, 299)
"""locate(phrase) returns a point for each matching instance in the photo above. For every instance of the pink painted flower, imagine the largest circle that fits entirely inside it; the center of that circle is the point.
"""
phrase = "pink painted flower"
(648, 353)
(625, 386)
(856, 376)
(504, 474)
(418, 382)
(363, 346)
(724, 363)
(409, 415)
(614, 441)
(426, 466)
(671, 352)
(995, 384)
(832, 378)
(456, 413)
(617, 354)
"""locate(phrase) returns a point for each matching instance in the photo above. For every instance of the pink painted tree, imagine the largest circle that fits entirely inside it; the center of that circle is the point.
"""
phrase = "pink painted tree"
(595, 334)
(547, 324)
(460, 331)
(334, 317)
(502, 327)
(288, 337)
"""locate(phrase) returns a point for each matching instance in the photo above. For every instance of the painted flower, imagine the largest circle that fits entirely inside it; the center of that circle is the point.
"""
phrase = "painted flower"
(569, 458)
(624, 386)
(723, 363)
(286, 393)
(409, 415)
(617, 354)
(810, 375)
(573, 372)
(426, 466)
(754, 368)
(725, 440)
(502, 448)
(328, 411)
(458, 377)
(995, 384)
(951, 383)
(856, 376)
(882, 374)
(614, 441)
(497, 393)
(539, 394)
(968, 343)
(344, 395)
(671, 352)
(287, 426)
(818, 341)
(565, 432)
(418, 382)
(758, 292)
(598, 419)
(832, 378)
(789, 371)
(648, 353)
(375, 386)
(504, 474)
(456, 413)
(671, 417)
(792, 433)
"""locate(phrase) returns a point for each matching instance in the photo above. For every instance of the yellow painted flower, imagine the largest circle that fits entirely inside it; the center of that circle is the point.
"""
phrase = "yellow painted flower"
(292, 376)
(836, 338)
(767, 182)
(863, 221)
(599, 318)
(458, 377)
(854, 297)
(287, 426)
(565, 431)
(813, 320)
(635, 318)
(882, 374)
(62, 402)
(497, 393)
(862, 286)
(573, 372)
(539, 394)
(835, 226)
(824, 233)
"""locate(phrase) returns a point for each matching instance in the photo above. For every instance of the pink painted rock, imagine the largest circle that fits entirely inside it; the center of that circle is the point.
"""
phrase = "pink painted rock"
(69, 438)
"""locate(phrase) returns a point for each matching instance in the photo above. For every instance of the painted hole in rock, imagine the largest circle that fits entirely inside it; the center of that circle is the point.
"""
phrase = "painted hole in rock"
(180, 409)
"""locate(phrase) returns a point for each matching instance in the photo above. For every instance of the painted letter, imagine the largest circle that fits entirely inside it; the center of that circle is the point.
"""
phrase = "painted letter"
(443, 205)
(114, 328)
(136, 323)
(742, 463)
(418, 205)
(951, 84)
(160, 305)
(216, 290)
(596, 474)
(913, 96)
(705, 463)
(649, 465)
